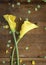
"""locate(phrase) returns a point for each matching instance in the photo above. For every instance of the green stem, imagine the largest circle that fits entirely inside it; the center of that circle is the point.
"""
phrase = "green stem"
(17, 53)
(12, 58)
(18, 40)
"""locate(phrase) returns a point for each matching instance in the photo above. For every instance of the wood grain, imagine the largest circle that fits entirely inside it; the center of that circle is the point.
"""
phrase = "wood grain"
(22, 1)
(35, 39)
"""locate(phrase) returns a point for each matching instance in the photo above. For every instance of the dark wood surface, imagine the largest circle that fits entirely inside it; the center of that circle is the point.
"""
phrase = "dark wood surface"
(35, 39)
(22, 1)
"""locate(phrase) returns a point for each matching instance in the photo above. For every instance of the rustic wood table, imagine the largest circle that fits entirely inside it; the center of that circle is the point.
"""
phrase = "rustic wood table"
(33, 45)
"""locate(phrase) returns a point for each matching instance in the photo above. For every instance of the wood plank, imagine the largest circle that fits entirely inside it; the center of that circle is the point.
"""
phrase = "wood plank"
(35, 39)
(27, 61)
(22, 1)
(25, 1)
(34, 16)
(24, 59)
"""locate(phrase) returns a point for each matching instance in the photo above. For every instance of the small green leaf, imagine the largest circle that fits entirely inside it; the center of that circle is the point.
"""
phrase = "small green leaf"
(26, 19)
(44, 0)
(45, 28)
(29, 11)
(27, 48)
(44, 56)
(36, 9)
(17, 32)
(3, 62)
(10, 32)
(24, 64)
(9, 41)
(8, 45)
(18, 3)
(28, 0)
(38, 6)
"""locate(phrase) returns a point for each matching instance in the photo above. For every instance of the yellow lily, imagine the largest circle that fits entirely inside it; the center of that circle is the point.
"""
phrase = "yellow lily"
(11, 21)
(26, 26)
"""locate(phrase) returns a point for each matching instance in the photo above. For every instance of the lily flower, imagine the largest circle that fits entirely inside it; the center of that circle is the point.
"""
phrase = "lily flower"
(11, 21)
(26, 26)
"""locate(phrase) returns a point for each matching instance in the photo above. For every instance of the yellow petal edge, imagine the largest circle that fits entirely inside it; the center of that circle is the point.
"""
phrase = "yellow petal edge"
(11, 21)
(26, 26)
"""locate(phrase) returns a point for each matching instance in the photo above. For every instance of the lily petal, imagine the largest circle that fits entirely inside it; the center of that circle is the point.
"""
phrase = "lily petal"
(26, 26)
(11, 21)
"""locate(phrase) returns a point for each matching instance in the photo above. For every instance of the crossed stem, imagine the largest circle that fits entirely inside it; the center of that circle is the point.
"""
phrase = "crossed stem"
(17, 52)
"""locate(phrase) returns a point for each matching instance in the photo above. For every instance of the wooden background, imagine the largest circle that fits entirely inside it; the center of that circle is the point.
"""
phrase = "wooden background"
(35, 40)
(22, 1)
